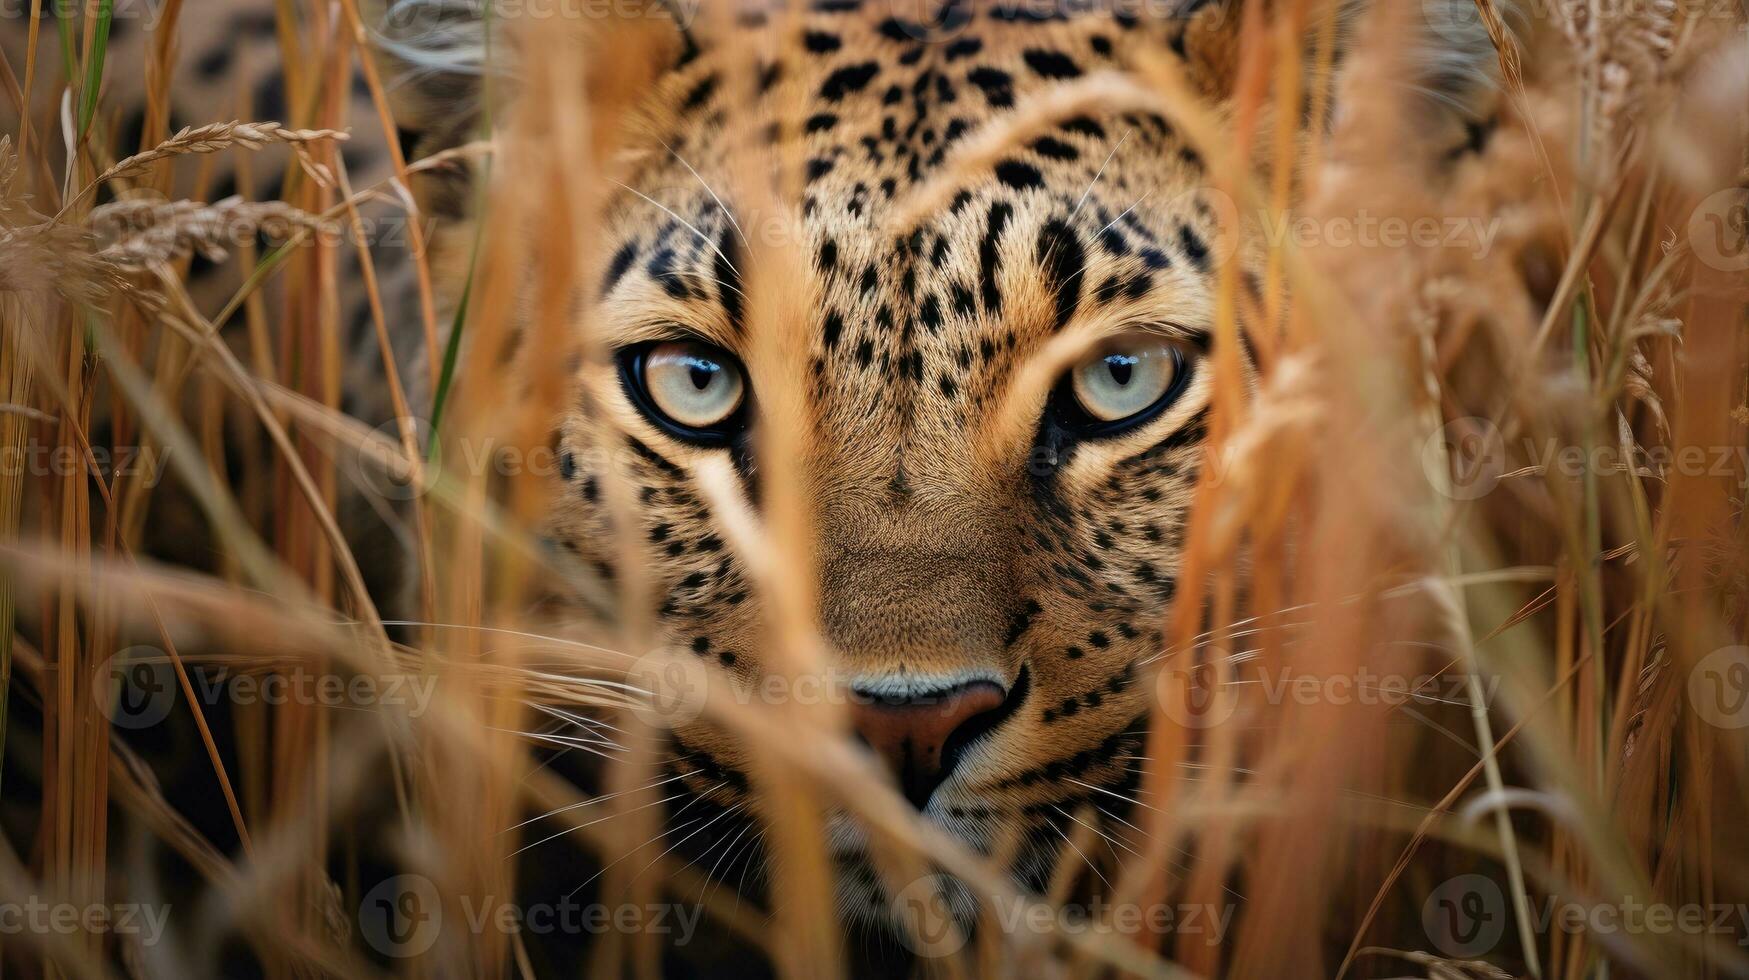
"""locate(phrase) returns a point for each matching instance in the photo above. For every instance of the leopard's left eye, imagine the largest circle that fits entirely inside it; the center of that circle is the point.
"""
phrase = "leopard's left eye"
(693, 390)
(1125, 378)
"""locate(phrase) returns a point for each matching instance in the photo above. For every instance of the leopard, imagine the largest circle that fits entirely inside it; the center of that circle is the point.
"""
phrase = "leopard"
(978, 195)
(994, 615)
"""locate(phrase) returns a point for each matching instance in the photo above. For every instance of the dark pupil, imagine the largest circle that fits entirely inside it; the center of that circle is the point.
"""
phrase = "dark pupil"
(1121, 366)
(702, 371)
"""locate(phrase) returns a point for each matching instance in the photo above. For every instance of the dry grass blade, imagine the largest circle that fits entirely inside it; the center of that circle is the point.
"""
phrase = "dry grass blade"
(1512, 72)
(212, 138)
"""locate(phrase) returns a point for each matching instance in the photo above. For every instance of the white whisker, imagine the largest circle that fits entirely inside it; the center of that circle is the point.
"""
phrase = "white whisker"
(689, 225)
(592, 823)
(730, 215)
(591, 802)
(1101, 172)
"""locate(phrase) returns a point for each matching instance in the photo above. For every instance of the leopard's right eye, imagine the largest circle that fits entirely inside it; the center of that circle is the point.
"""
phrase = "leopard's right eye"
(693, 390)
(1124, 383)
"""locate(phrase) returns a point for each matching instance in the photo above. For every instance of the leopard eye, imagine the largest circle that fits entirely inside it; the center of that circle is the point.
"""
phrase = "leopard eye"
(1126, 377)
(695, 388)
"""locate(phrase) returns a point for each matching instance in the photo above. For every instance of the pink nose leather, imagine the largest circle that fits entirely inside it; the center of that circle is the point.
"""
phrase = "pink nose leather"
(914, 735)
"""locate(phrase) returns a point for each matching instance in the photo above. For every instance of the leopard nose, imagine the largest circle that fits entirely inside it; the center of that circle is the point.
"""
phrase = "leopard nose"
(921, 736)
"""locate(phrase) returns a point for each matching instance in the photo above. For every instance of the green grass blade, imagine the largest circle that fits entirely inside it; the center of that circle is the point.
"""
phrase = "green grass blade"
(452, 350)
(69, 58)
(94, 68)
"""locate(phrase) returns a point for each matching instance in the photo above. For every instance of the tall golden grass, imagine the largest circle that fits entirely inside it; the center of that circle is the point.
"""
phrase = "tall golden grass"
(1396, 496)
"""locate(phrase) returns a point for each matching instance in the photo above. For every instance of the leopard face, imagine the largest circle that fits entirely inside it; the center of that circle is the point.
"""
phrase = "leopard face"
(988, 237)
(992, 612)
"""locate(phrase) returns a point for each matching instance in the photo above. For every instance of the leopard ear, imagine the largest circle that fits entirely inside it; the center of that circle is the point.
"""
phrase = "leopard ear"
(1453, 64)
(1455, 55)
(435, 55)
(442, 60)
